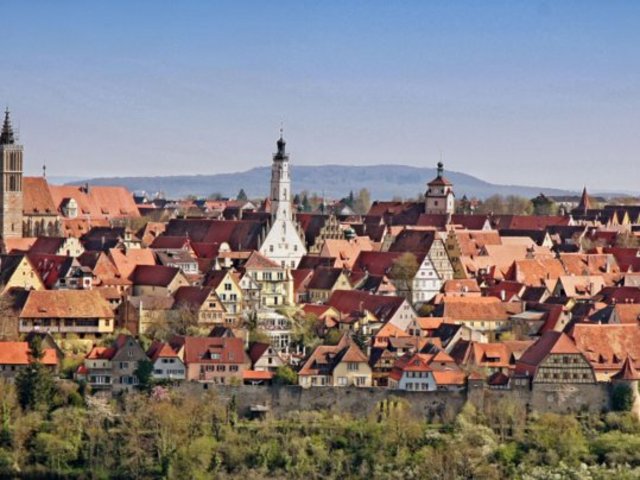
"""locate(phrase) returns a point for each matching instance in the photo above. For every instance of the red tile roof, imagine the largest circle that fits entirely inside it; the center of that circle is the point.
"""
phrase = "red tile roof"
(18, 353)
(66, 304)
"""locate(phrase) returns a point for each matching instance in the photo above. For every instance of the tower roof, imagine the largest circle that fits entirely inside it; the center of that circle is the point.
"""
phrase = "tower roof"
(281, 144)
(440, 179)
(585, 201)
(627, 372)
(6, 136)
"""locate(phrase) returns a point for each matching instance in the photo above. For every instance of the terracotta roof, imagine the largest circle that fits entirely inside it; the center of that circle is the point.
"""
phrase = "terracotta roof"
(126, 261)
(606, 346)
(256, 261)
(346, 251)
(628, 372)
(325, 357)
(160, 349)
(257, 375)
(192, 296)
(324, 278)
(449, 377)
(627, 313)
(18, 245)
(549, 343)
(18, 353)
(537, 272)
(239, 234)
(99, 202)
(528, 222)
(473, 308)
(37, 199)
(381, 263)
(156, 275)
(211, 349)
(354, 301)
(413, 241)
(461, 286)
(66, 304)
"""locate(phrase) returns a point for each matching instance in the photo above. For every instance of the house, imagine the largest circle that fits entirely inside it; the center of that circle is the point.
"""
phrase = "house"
(17, 271)
(325, 281)
(179, 259)
(64, 246)
(607, 346)
(81, 312)
(554, 358)
(114, 367)
(264, 358)
(345, 252)
(579, 287)
(141, 314)
(276, 285)
(227, 287)
(167, 364)
(366, 313)
(412, 372)
(218, 360)
(341, 365)
(157, 280)
(486, 314)
(317, 228)
(203, 302)
(15, 356)
(60, 272)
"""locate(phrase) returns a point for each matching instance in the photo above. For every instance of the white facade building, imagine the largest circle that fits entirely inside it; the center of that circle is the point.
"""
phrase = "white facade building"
(439, 198)
(284, 243)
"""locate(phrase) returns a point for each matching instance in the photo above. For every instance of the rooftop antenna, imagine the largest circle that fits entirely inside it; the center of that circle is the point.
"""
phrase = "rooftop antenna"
(281, 129)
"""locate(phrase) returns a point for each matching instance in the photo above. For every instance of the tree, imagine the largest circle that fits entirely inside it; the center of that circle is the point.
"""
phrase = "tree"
(213, 196)
(622, 398)
(144, 371)
(362, 202)
(285, 376)
(543, 205)
(306, 205)
(242, 196)
(34, 383)
(305, 331)
(403, 271)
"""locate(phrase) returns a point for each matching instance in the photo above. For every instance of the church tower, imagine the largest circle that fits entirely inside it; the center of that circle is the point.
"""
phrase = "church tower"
(11, 189)
(284, 242)
(280, 183)
(439, 198)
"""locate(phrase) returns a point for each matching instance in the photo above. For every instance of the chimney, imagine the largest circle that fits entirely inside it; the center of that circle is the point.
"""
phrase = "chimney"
(503, 295)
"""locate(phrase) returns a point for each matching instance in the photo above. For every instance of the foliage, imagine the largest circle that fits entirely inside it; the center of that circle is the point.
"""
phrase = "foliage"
(511, 204)
(143, 372)
(622, 398)
(285, 375)
(242, 196)
(362, 202)
(34, 382)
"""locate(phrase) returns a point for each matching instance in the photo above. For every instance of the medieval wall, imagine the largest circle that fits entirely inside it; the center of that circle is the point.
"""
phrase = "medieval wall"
(281, 400)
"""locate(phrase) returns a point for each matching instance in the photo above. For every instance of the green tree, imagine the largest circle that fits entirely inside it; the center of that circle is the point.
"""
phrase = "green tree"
(144, 372)
(285, 376)
(622, 398)
(403, 271)
(34, 383)
(242, 196)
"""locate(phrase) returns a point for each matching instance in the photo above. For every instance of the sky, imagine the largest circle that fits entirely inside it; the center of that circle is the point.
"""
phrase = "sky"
(518, 92)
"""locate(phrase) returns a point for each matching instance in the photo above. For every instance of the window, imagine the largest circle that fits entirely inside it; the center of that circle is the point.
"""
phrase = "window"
(361, 381)
(353, 366)
(342, 381)
(227, 287)
(233, 368)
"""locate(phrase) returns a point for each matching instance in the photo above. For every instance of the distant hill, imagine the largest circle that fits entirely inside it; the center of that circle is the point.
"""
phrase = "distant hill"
(383, 181)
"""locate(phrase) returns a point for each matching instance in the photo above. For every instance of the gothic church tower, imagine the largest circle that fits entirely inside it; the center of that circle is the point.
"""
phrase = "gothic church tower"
(283, 243)
(11, 188)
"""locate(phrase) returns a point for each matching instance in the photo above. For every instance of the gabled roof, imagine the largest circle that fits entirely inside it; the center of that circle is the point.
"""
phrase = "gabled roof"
(37, 199)
(160, 349)
(238, 234)
(606, 346)
(354, 301)
(192, 296)
(154, 275)
(324, 278)
(413, 241)
(97, 202)
(628, 372)
(66, 304)
(325, 358)
(256, 261)
(381, 263)
(18, 353)
(212, 350)
(549, 343)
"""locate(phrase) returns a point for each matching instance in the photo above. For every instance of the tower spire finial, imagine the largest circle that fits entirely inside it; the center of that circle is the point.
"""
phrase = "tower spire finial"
(44, 170)
(6, 135)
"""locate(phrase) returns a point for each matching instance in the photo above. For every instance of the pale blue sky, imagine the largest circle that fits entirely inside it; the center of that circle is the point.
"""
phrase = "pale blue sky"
(528, 92)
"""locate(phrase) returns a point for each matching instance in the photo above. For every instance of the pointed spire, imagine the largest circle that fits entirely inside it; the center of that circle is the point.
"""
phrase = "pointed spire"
(6, 136)
(585, 202)
(627, 372)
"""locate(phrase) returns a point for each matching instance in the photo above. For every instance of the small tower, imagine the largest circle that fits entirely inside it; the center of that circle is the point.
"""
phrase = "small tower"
(585, 202)
(11, 188)
(439, 198)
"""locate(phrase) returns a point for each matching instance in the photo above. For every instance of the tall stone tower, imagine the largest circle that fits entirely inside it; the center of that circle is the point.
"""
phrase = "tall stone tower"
(11, 189)
(284, 242)
(439, 198)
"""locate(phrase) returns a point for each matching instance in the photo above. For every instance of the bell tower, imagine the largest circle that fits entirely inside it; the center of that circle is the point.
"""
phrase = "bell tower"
(11, 188)
(280, 183)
